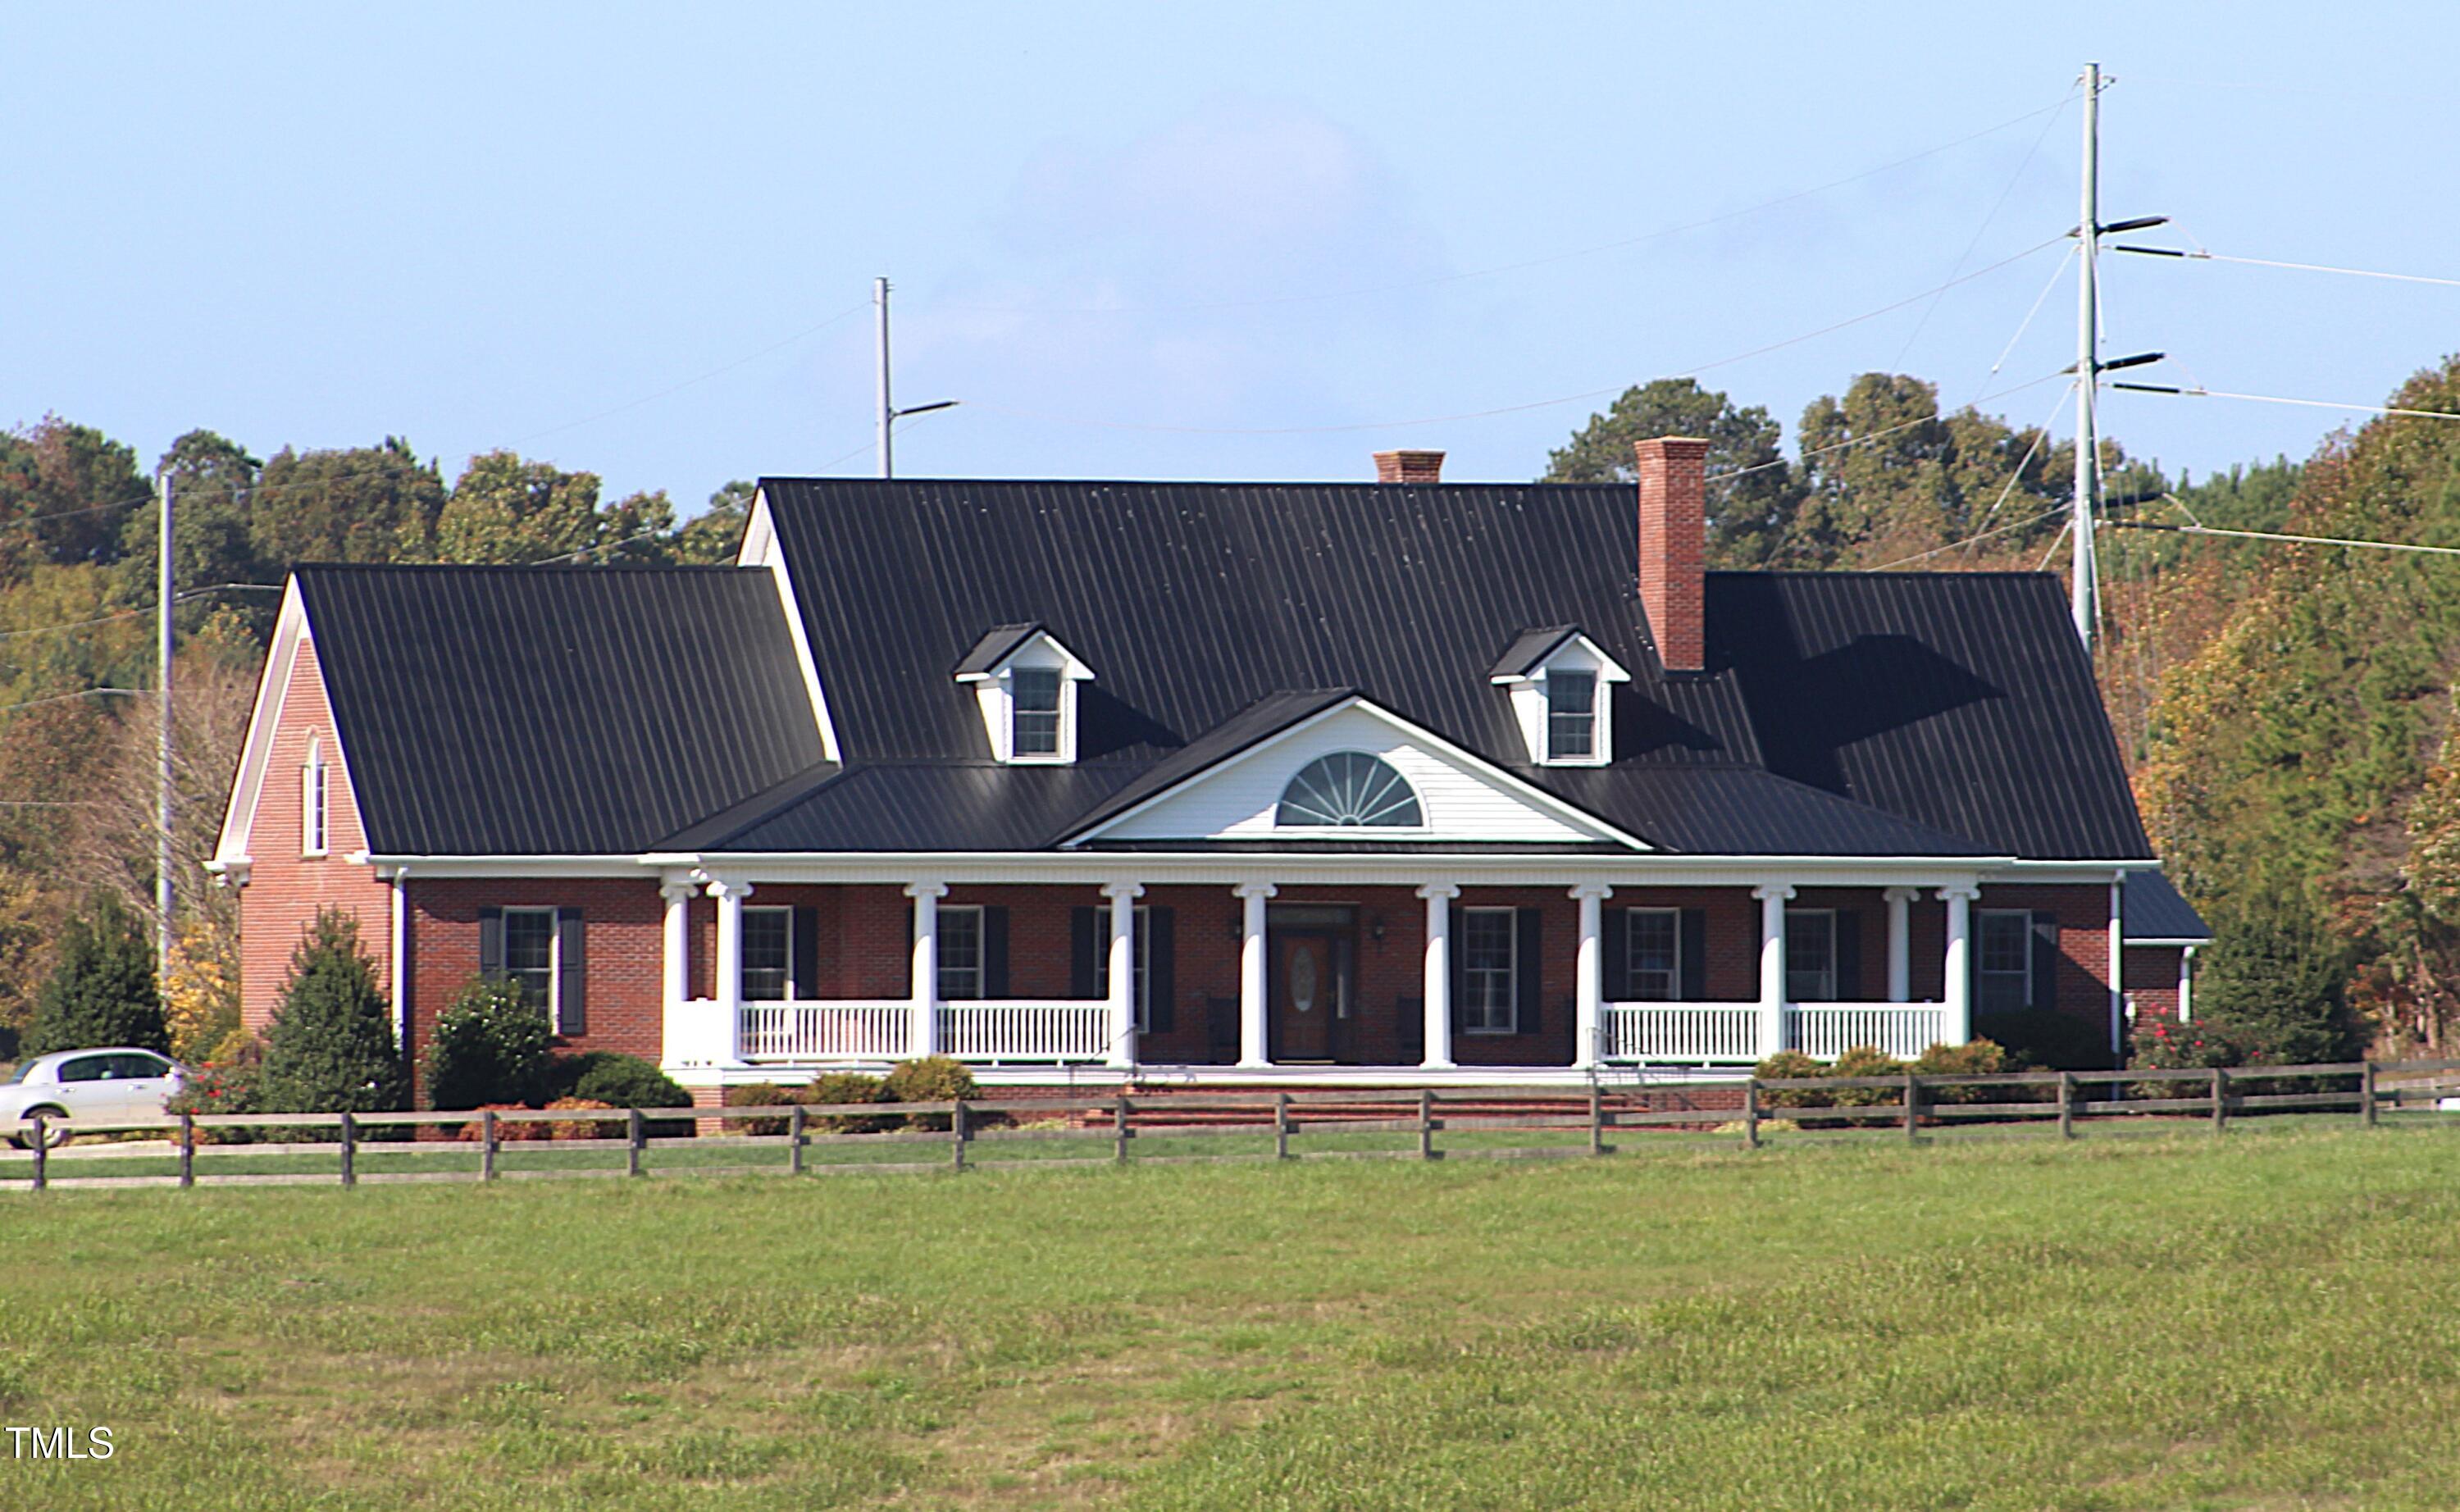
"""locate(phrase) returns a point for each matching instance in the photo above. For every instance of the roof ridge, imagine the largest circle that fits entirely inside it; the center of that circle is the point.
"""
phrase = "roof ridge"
(507, 568)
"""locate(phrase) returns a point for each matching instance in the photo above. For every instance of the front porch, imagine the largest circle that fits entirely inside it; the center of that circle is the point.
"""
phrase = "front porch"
(1265, 984)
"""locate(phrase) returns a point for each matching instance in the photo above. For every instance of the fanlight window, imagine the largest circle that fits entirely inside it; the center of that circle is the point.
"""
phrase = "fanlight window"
(1350, 788)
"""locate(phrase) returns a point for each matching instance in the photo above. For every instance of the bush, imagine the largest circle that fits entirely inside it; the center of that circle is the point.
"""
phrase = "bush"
(505, 1133)
(1979, 1058)
(2274, 984)
(101, 989)
(331, 1046)
(585, 1128)
(849, 1086)
(932, 1078)
(761, 1095)
(493, 1045)
(1789, 1065)
(234, 1087)
(1863, 1060)
(621, 1081)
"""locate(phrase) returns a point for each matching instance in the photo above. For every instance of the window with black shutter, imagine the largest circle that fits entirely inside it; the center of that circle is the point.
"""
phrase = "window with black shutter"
(1653, 955)
(2003, 960)
(1490, 940)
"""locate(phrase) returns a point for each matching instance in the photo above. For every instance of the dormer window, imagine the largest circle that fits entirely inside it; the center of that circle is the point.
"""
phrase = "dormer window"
(1561, 684)
(1571, 715)
(1025, 683)
(1034, 713)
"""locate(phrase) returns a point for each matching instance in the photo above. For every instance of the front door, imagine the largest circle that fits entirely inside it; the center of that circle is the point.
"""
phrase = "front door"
(1310, 986)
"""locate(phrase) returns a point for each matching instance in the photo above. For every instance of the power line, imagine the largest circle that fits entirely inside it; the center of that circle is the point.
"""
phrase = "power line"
(1979, 231)
(1875, 436)
(714, 373)
(2201, 256)
(2201, 393)
(182, 597)
(1524, 264)
(1999, 530)
(1515, 409)
(82, 692)
(2277, 535)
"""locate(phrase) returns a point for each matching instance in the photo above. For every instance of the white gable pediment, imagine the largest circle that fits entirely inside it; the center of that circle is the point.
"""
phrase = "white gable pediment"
(1459, 796)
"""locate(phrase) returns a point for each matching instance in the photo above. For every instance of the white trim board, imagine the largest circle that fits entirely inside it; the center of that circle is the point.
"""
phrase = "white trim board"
(761, 548)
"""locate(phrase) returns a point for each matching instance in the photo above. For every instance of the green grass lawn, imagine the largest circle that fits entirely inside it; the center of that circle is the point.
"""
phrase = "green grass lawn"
(2272, 1321)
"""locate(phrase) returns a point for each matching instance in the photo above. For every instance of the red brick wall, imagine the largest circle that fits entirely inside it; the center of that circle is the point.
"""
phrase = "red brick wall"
(623, 945)
(285, 889)
(2082, 912)
(2152, 978)
(1672, 505)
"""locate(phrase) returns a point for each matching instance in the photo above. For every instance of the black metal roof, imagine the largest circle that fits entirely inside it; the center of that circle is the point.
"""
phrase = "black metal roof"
(2150, 908)
(1946, 714)
(994, 648)
(532, 710)
(1529, 648)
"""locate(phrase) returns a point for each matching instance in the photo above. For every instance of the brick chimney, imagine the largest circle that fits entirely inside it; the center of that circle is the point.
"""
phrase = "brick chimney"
(1409, 467)
(1673, 531)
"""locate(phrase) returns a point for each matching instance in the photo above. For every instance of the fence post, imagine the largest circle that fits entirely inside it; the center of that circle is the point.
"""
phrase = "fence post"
(187, 1149)
(1913, 1108)
(1119, 1130)
(2067, 1106)
(486, 1144)
(349, 1149)
(1425, 1124)
(1751, 1114)
(2366, 1094)
(1597, 1120)
(633, 1129)
(957, 1136)
(2220, 1100)
(42, 1152)
(1281, 1126)
(795, 1142)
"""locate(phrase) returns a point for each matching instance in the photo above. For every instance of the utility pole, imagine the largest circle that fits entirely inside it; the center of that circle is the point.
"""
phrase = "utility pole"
(162, 593)
(887, 410)
(2081, 586)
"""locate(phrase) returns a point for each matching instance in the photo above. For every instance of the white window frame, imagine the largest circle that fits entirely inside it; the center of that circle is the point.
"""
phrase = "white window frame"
(1063, 741)
(1981, 972)
(1794, 962)
(793, 977)
(1142, 971)
(1631, 969)
(315, 802)
(553, 999)
(939, 987)
(1483, 1022)
(1596, 695)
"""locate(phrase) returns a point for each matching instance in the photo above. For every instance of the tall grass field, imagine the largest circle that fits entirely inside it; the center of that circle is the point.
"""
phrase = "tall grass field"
(2268, 1320)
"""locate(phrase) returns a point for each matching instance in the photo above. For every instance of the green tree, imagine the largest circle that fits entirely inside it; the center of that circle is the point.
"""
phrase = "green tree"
(493, 1044)
(68, 487)
(330, 1046)
(213, 482)
(506, 510)
(2274, 983)
(1751, 509)
(101, 988)
(712, 536)
(369, 504)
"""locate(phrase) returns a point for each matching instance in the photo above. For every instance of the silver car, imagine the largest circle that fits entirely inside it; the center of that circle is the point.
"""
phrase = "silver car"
(84, 1086)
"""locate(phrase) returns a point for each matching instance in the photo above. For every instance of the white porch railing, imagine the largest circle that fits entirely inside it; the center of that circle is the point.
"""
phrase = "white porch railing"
(1026, 1028)
(1680, 1031)
(1827, 1030)
(841, 1030)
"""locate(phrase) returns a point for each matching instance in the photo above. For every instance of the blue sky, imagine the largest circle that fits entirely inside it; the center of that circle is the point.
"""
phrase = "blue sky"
(1156, 241)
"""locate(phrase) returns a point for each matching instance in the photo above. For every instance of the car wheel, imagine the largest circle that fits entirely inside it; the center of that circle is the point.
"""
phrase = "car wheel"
(56, 1128)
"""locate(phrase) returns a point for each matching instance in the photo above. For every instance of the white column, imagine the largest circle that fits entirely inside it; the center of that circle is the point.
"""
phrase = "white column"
(728, 987)
(1123, 896)
(2186, 984)
(400, 953)
(1589, 972)
(677, 961)
(1439, 896)
(2117, 965)
(1252, 1051)
(1772, 901)
(1900, 943)
(923, 1038)
(1957, 1027)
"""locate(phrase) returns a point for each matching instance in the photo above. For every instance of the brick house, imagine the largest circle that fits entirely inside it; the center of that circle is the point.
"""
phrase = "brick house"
(1398, 783)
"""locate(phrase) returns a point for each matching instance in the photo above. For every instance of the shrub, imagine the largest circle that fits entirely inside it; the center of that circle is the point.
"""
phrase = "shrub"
(621, 1081)
(492, 1046)
(2274, 984)
(585, 1128)
(761, 1095)
(849, 1086)
(1979, 1058)
(101, 989)
(505, 1133)
(1789, 1065)
(331, 1046)
(931, 1079)
(1863, 1060)
(232, 1086)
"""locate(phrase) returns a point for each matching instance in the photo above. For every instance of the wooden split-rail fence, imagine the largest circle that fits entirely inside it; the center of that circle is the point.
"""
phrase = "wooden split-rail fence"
(487, 1146)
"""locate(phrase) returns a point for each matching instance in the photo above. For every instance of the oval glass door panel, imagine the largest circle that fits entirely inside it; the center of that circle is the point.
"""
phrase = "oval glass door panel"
(1302, 979)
